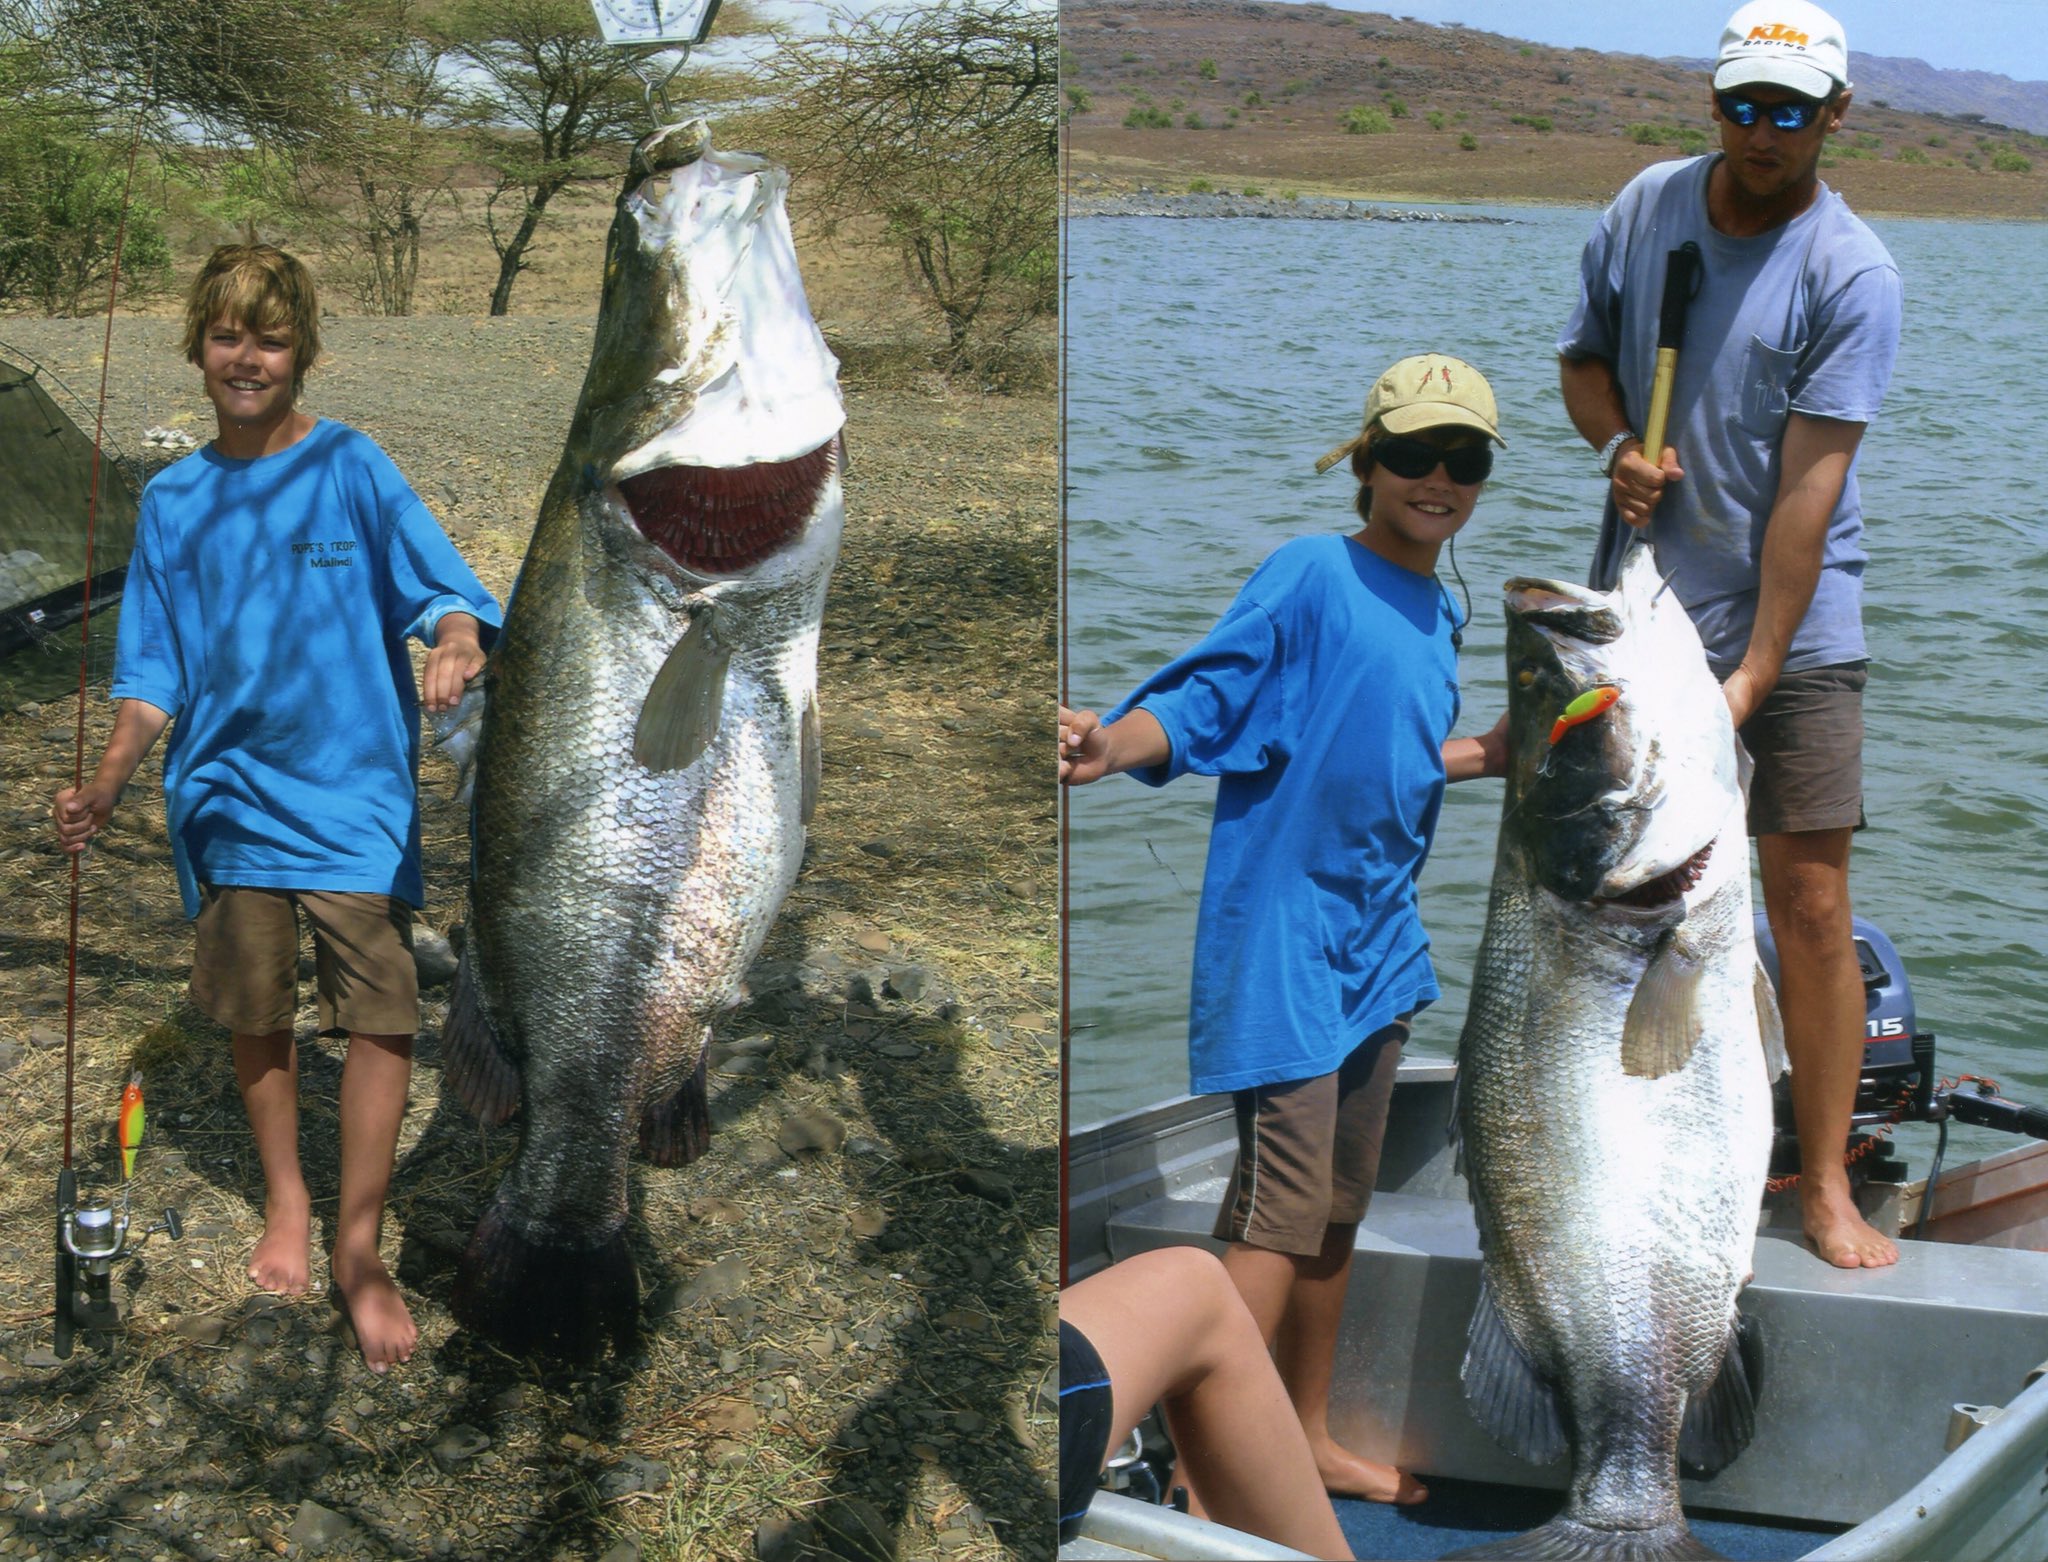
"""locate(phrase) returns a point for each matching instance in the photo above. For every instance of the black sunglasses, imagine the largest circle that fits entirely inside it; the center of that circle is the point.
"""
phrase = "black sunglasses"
(1796, 115)
(1413, 458)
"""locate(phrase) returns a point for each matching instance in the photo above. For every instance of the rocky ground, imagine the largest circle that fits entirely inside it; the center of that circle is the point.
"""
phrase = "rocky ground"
(847, 1342)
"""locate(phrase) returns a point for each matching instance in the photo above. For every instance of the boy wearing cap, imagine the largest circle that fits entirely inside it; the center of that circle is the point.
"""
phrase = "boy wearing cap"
(1323, 700)
(1753, 506)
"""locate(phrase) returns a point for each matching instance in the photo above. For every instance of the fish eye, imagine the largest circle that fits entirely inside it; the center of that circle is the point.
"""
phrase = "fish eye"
(1525, 677)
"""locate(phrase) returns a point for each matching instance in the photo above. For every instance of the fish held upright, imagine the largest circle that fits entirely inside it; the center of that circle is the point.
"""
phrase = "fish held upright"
(646, 754)
(1614, 1073)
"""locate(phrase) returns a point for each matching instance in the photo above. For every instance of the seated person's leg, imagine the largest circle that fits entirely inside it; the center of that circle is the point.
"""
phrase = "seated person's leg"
(1169, 1326)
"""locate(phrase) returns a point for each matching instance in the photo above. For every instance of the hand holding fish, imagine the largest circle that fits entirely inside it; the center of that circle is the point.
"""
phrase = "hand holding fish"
(1639, 484)
(1470, 759)
(457, 656)
(1090, 750)
(1744, 692)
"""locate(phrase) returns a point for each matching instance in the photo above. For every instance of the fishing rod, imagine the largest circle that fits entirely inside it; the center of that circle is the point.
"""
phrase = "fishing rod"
(1681, 286)
(90, 1238)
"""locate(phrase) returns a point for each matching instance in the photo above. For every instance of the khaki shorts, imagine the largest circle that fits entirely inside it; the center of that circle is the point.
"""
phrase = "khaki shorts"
(245, 962)
(1308, 1150)
(1807, 741)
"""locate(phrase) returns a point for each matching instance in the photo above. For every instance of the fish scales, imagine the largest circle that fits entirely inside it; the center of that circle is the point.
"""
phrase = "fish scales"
(1613, 1090)
(647, 753)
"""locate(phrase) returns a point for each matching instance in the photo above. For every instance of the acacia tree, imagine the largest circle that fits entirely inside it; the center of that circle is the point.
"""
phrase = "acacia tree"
(393, 153)
(566, 98)
(941, 121)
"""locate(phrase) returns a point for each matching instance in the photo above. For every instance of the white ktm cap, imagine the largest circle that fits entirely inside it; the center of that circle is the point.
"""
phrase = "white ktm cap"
(1783, 43)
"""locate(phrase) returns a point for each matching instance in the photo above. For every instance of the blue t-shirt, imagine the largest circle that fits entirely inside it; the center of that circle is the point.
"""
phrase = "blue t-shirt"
(266, 611)
(1804, 318)
(1322, 699)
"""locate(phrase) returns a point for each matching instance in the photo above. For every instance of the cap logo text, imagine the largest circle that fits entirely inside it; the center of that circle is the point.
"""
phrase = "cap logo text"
(1778, 32)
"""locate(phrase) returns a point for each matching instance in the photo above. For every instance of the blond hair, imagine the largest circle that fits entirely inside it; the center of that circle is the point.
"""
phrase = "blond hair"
(260, 287)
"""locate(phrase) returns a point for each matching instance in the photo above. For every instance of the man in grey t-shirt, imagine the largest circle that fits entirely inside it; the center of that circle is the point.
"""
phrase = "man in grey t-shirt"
(1753, 508)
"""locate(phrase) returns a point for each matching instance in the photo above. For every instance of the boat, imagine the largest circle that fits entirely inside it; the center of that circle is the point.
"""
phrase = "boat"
(1904, 1414)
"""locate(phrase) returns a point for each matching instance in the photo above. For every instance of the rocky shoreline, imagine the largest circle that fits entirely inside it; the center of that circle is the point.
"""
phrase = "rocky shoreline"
(1221, 203)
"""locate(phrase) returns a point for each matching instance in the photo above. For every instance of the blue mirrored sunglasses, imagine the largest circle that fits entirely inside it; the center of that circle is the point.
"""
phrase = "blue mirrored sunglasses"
(1796, 115)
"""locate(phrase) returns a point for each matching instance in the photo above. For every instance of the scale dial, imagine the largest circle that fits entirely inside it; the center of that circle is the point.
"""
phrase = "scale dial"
(655, 21)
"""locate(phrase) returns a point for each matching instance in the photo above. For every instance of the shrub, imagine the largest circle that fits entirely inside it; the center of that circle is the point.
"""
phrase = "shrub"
(1396, 107)
(1536, 122)
(1206, 70)
(1252, 189)
(1383, 62)
(1144, 116)
(1253, 100)
(1293, 88)
(1937, 140)
(1200, 187)
(1290, 195)
(1436, 119)
(2007, 161)
(1078, 99)
(1192, 121)
(1363, 121)
(1466, 143)
(1684, 137)
(1912, 154)
(1129, 58)
(1870, 143)
(1526, 52)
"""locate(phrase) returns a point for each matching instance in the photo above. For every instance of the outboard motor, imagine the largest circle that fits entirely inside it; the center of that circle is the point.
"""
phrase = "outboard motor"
(1898, 1082)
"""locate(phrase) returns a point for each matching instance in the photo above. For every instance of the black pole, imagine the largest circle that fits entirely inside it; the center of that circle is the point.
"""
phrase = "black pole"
(67, 1272)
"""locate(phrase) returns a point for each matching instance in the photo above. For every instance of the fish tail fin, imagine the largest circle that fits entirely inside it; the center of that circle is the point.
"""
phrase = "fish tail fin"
(1507, 1394)
(1720, 1421)
(537, 1298)
(677, 1130)
(1566, 1538)
(473, 1060)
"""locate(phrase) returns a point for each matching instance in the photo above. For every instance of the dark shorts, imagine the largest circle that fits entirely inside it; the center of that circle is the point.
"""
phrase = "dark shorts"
(1308, 1150)
(245, 960)
(1807, 741)
(1086, 1410)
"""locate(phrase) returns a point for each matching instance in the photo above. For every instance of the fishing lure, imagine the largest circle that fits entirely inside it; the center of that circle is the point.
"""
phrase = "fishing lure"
(128, 1124)
(1594, 702)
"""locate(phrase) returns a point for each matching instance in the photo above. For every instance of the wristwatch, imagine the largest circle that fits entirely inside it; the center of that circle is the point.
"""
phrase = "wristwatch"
(1611, 451)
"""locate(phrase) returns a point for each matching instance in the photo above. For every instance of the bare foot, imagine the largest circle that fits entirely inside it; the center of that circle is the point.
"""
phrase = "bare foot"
(1841, 1235)
(283, 1260)
(1346, 1475)
(384, 1330)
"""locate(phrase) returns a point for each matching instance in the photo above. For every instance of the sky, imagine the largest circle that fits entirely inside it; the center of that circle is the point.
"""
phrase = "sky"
(2009, 37)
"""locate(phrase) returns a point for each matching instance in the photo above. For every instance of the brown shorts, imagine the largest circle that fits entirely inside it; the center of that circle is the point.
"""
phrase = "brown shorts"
(245, 962)
(1308, 1150)
(1807, 741)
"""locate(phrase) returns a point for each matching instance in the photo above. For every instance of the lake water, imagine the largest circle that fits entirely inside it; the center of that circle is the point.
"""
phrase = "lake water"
(1210, 362)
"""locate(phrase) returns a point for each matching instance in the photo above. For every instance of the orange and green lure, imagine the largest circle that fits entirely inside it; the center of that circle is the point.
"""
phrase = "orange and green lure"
(128, 1125)
(1594, 702)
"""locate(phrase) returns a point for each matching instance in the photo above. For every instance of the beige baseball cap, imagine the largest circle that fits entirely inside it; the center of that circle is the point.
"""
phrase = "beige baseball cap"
(1429, 390)
(1783, 43)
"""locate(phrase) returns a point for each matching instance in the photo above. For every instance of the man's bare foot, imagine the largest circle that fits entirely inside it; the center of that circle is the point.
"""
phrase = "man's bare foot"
(1346, 1475)
(283, 1259)
(1840, 1234)
(384, 1329)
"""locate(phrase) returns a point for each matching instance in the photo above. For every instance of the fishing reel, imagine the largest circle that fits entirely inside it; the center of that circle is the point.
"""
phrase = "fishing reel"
(93, 1235)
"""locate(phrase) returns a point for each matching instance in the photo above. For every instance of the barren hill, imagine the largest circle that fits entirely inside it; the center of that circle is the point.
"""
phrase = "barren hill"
(1277, 97)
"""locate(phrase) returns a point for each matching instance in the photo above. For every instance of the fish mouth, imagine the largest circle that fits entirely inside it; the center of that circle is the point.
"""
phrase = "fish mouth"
(725, 520)
(1665, 887)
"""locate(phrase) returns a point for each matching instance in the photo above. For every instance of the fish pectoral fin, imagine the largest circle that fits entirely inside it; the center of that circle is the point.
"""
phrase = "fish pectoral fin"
(1663, 1023)
(812, 760)
(680, 715)
(473, 1060)
(1720, 1420)
(1771, 1025)
(1507, 1394)
(677, 1129)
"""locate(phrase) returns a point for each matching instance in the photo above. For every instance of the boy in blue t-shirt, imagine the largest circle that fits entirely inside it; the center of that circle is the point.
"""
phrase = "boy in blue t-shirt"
(1323, 700)
(276, 575)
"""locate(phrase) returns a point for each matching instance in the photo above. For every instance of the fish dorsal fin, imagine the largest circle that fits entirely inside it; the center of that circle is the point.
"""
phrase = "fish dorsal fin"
(680, 715)
(1514, 1402)
(456, 733)
(1721, 1419)
(811, 758)
(1770, 1025)
(1663, 1023)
